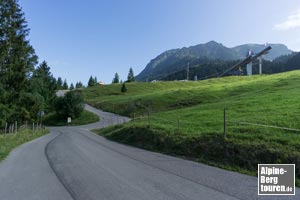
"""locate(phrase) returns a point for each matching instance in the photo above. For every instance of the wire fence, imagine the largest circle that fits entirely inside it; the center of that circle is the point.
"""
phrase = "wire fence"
(13, 128)
(223, 123)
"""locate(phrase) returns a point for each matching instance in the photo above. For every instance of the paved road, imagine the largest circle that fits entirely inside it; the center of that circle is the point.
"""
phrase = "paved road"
(73, 163)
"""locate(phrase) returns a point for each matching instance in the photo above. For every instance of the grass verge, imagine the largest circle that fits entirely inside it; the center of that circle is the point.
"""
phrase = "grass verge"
(232, 153)
(85, 118)
(10, 141)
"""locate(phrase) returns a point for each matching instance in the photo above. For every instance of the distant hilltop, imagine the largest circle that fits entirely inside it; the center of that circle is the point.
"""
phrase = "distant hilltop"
(175, 60)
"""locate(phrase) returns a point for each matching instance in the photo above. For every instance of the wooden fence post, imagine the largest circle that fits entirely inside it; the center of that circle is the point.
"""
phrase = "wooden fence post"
(16, 127)
(148, 117)
(224, 123)
(5, 128)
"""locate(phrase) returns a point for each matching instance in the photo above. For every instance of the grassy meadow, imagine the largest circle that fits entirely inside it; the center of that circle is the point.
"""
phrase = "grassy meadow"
(187, 118)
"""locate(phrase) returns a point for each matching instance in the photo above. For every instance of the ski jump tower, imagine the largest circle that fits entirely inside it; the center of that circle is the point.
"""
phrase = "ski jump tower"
(248, 62)
(259, 58)
(249, 65)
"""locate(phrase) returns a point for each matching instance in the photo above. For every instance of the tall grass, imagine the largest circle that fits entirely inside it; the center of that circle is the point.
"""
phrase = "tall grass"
(12, 140)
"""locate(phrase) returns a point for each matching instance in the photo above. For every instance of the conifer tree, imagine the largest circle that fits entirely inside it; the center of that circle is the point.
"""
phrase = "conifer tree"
(92, 81)
(17, 57)
(71, 87)
(130, 77)
(59, 83)
(116, 79)
(43, 82)
(79, 85)
(65, 85)
(123, 88)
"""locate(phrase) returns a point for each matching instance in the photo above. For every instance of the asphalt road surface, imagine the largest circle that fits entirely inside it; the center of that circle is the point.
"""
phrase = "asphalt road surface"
(73, 163)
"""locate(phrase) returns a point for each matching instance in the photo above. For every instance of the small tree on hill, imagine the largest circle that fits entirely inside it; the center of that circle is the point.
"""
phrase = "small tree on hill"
(130, 77)
(92, 81)
(123, 88)
(116, 78)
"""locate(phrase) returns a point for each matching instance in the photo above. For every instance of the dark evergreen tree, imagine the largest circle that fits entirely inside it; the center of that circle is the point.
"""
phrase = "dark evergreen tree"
(65, 85)
(116, 79)
(71, 86)
(17, 58)
(92, 81)
(123, 88)
(79, 85)
(59, 83)
(43, 82)
(130, 77)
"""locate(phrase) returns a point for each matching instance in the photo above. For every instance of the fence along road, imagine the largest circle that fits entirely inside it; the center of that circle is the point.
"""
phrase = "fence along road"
(73, 163)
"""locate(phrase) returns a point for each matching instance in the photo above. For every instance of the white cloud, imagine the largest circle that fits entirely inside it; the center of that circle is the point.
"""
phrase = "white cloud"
(292, 21)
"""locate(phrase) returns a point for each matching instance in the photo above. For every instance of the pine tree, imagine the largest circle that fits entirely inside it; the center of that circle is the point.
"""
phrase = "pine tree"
(71, 87)
(92, 81)
(116, 78)
(17, 57)
(79, 85)
(130, 77)
(123, 88)
(43, 84)
(59, 83)
(65, 85)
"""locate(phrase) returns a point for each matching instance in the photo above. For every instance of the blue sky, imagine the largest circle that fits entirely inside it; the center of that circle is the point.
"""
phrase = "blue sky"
(100, 37)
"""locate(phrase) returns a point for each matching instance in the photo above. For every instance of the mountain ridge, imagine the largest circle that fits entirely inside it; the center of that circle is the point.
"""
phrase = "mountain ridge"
(176, 59)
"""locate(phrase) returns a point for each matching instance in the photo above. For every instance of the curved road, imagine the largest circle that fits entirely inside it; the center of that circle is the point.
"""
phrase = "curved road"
(73, 163)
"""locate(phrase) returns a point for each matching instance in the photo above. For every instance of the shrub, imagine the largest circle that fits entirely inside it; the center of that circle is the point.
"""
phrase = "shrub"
(70, 105)
(123, 89)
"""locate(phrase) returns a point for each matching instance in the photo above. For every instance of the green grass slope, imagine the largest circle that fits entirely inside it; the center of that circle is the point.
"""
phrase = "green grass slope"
(186, 118)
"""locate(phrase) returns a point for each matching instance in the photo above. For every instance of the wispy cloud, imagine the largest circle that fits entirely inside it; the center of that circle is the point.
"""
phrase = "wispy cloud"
(291, 22)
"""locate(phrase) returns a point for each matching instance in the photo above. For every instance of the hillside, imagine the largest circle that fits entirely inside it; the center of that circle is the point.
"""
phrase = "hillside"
(175, 60)
(186, 118)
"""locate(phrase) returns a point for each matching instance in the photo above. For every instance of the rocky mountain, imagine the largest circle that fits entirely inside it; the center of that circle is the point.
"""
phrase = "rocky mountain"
(175, 60)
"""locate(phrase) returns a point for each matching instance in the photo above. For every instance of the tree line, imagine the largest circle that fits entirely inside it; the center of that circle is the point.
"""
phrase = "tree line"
(26, 87)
